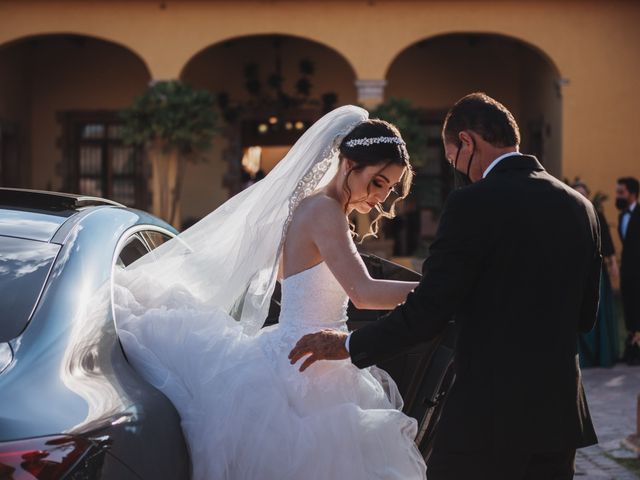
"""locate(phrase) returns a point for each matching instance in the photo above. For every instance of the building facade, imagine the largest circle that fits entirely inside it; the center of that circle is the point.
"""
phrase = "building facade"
(567, 70)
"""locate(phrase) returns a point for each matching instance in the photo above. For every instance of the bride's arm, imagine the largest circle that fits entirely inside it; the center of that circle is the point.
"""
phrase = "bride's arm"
(329, 230)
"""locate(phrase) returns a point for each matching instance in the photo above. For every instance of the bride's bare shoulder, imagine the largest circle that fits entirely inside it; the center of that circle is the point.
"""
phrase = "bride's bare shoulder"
(320, 210)
(319, 200)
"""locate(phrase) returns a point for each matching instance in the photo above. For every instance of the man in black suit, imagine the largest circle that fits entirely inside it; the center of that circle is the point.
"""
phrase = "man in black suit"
(629, 229)
(516, 262)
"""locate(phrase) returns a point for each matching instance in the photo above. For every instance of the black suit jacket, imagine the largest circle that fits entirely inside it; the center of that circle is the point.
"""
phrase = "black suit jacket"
(516, 262)
(630, 262)
(630, 270)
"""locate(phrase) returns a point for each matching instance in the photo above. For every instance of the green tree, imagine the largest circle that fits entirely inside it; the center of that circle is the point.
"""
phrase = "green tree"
(175, 124)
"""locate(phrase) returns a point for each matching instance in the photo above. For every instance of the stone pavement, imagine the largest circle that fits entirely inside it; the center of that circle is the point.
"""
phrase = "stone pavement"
(612, 395)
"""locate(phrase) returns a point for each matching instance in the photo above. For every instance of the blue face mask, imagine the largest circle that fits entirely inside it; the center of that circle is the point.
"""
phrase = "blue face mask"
(460, 179)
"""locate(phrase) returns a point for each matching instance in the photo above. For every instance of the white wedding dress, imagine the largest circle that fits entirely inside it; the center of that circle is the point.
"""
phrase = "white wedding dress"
(247, 413)
(189, 316)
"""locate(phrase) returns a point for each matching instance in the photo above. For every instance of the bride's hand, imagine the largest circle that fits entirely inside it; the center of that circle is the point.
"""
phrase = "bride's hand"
(323, 345)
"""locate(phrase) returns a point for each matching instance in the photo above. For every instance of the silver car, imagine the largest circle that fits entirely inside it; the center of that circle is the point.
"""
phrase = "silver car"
(70, 404)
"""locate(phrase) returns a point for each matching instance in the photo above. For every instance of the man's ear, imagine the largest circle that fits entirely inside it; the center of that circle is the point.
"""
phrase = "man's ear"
(465, 138)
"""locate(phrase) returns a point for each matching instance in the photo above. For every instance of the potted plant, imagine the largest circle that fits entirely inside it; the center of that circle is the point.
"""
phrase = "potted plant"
(175, 124)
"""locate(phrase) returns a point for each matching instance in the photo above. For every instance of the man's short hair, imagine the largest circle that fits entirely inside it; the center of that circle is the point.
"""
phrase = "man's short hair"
(632, 184)
(485, 116)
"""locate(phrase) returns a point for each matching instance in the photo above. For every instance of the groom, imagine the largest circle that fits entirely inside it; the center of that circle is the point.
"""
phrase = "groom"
(516, 262)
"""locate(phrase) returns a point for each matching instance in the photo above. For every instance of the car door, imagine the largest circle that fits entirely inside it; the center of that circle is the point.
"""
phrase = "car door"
(158, 450)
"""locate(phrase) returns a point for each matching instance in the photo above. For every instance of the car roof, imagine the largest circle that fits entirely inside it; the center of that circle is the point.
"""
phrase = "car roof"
(37, 215)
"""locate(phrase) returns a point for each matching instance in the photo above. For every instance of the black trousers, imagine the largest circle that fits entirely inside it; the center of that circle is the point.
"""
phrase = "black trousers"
(504, 466)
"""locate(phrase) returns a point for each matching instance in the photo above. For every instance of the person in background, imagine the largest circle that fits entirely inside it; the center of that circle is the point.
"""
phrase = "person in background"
(629, 229)
(599, 347)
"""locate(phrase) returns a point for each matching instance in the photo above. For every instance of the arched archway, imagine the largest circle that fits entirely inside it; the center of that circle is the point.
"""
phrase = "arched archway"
(258, 47)
(59, 98)
(434, 73)
(284, 79)
(422, 41)
(437, 71)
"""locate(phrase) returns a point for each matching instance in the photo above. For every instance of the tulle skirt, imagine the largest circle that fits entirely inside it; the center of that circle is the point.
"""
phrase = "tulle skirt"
(248, 414)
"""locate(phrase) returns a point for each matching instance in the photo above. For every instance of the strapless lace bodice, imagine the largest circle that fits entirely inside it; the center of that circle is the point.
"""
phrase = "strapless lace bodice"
(312, 300)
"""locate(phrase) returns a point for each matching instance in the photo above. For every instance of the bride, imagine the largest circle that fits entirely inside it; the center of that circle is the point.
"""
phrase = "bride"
(190, 317)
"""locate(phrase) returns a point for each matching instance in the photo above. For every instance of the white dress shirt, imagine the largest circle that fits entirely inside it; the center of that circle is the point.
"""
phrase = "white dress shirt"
(497, 161)
(489, 168)
(626, 217)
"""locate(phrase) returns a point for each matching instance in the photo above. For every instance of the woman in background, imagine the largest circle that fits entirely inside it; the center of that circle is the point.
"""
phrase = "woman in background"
(599, 347)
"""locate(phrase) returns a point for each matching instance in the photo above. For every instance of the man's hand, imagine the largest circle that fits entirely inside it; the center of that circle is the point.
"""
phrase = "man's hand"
(323, 345)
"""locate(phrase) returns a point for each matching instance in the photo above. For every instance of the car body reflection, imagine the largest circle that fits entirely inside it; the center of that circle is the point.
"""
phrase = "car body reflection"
(66, 378)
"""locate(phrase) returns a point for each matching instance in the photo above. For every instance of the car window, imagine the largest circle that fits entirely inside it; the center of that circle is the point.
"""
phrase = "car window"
(155, 239)
(24, 269)
(132, 251)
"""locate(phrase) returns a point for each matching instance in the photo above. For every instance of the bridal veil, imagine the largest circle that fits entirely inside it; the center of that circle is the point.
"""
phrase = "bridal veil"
(229, 259)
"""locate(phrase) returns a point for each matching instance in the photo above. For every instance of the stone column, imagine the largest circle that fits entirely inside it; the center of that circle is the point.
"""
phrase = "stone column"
(370, 92)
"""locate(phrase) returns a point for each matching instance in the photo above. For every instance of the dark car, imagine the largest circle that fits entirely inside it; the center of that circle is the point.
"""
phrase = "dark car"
(70, 404)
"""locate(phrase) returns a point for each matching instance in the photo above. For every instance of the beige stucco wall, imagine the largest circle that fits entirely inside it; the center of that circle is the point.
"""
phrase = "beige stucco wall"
(592, 44)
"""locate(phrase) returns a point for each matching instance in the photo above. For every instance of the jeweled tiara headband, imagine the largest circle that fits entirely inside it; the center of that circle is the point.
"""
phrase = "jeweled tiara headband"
(365, 142)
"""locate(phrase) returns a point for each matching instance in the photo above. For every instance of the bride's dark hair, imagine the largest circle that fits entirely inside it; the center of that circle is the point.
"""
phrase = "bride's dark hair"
(382, 154)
